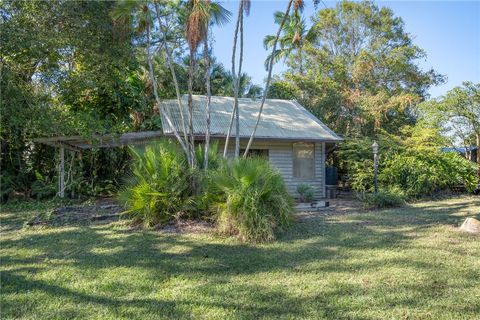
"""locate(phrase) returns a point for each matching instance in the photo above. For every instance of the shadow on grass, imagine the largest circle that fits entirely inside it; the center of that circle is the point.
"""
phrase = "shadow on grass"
(178, 307)
(331, 240)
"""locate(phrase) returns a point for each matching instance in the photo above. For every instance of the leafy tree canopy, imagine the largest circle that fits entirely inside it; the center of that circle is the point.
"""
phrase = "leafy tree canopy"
(363, 69)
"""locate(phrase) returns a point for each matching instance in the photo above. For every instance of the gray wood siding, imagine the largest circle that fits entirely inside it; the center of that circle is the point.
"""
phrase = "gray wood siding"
(281, 156)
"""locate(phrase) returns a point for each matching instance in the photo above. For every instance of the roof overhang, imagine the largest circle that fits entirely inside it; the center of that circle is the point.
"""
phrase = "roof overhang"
(201, 136)
(79, 143)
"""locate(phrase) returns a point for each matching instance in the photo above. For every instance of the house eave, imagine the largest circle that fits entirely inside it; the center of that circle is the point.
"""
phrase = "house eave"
(201, 136)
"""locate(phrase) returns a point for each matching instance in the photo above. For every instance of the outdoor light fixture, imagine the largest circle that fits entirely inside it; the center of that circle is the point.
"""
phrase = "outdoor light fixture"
(375, 164)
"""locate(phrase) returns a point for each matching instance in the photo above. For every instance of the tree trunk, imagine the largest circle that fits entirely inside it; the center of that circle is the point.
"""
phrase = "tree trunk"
(190, 107)
(209, 95)
(234, 50)
(269, 78)
(237, 89)
(300, 60)
(168, 55)
(157, 98)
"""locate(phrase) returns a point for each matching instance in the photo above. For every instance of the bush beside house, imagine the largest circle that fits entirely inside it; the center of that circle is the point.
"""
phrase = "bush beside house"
(246, 197)
(407, 170)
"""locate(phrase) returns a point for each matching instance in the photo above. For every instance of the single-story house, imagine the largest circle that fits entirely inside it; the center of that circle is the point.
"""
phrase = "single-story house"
(293, 139)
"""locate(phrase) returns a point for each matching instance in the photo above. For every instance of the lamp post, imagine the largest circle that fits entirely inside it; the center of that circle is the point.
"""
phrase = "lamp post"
(375, 164)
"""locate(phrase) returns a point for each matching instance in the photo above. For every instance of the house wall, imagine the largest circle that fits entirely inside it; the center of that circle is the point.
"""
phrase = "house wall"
(280, 154)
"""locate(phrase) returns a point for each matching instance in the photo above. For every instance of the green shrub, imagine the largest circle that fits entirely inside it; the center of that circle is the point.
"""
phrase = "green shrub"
(214, 157)
(420, 173)
(393, 197)
(361, 176)
(306, 192)
(416, 167)
(254, 200)
(160, 185)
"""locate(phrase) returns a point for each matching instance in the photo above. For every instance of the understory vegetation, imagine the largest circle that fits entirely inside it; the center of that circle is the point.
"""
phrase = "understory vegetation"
(246, 197)
(254, 202)
(160, 186)
(383, 198)
(410, 167)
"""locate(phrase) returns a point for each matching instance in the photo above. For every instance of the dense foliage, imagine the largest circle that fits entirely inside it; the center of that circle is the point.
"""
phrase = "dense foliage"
(254, 202)
(363, 72)
(160, 186)
(77, 68)
(409, 164)
(64, 70)
(457, 114)
(418, 173)
(246, 197)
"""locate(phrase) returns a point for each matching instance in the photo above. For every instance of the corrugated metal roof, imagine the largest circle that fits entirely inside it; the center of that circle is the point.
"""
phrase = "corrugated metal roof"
(281, 119)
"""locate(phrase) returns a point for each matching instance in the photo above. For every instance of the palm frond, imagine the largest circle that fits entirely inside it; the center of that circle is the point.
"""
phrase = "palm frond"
(219, 15)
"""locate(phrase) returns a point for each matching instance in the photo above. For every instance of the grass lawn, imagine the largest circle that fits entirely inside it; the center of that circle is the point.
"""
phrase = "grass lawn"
(407, 263)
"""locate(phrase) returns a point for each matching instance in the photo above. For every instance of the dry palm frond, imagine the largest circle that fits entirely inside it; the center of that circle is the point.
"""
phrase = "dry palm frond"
(298, 5)
(296, 38)
(196, 27)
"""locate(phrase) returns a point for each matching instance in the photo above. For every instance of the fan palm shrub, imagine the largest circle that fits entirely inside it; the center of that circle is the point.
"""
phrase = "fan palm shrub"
(159, 187)
(254, 201)
(214, 158)
(207, 195)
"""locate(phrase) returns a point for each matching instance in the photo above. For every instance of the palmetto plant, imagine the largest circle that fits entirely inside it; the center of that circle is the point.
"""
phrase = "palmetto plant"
(254, 200)
(159, 186)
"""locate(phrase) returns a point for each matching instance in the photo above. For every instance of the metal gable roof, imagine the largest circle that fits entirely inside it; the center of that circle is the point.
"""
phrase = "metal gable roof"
(281, 119)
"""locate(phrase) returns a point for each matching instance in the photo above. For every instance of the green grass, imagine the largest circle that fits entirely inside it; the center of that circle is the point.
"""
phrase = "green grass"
(407, 263)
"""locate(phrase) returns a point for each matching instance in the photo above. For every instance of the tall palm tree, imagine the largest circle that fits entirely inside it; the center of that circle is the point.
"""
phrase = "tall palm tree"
(298, 5)
(140, 14)
(200, 14)
(295, 35)
(243, 8)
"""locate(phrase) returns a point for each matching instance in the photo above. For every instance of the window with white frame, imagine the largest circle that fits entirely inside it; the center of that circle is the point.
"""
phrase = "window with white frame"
(304, 160)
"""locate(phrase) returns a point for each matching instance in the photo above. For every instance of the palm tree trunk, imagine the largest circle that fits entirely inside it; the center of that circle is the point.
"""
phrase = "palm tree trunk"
(237, 89)
(269, 77)
(168, 55)
(300, 58)
(190, 107)
(235, 37)
(157, 99)
(209, 95)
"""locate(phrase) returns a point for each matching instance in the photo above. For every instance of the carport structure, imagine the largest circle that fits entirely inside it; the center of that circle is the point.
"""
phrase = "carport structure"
(80, 143)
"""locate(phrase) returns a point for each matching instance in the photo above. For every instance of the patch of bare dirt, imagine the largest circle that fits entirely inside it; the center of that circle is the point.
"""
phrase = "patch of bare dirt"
(106, 210)
(101, 211)
(186, 226)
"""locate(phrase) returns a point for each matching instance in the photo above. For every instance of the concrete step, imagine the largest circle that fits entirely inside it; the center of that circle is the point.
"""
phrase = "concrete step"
(314, 206)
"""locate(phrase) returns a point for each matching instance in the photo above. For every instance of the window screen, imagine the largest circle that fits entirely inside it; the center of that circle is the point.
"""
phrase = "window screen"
(304, 160)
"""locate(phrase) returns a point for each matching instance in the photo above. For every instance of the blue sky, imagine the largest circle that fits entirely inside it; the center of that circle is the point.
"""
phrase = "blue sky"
(449, 32)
